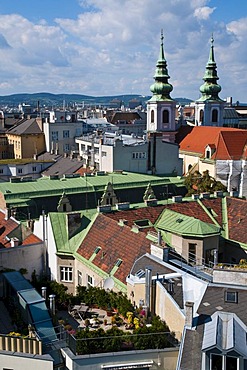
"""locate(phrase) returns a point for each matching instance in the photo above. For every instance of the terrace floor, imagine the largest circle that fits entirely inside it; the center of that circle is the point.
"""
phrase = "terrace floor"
(76, 322)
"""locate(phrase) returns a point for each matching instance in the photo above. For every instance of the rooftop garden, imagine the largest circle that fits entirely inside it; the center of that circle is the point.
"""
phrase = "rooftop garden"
(130, 328)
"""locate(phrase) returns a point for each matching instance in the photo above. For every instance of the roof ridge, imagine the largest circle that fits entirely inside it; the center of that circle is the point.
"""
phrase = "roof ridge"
(208, 213)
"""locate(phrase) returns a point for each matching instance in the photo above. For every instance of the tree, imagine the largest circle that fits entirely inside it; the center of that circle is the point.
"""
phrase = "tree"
(200, 183)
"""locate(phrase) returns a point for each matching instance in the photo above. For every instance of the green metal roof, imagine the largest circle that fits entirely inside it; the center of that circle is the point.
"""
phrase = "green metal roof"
(184, 225)
(14, 192)
(64, 244)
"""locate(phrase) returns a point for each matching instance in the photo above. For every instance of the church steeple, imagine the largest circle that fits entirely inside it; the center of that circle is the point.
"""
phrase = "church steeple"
(161, 88)
(161, 108)
(209, 109)
(210, 89)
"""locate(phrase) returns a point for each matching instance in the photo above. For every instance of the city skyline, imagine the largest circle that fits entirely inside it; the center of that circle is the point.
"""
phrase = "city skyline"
(108, 48)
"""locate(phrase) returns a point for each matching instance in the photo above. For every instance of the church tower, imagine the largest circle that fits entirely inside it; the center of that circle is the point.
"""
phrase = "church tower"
(161, 107)
(209, 108)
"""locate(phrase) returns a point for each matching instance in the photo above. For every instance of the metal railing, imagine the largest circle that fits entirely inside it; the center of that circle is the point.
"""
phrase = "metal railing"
(193, 264)
(118, 343)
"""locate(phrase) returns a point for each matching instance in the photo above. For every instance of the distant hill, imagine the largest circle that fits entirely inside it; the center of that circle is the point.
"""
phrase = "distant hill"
(55, 100)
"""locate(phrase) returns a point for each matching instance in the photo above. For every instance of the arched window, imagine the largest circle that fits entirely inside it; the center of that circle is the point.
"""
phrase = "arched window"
(201, 115)
(208, 153)
(165, 116)
(152, 115)
(214, 115)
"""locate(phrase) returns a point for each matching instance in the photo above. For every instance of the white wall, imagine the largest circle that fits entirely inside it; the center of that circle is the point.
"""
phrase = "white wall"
(17, 361)
(50, 243)
(167, 359)
(194, 290)
(30, 257)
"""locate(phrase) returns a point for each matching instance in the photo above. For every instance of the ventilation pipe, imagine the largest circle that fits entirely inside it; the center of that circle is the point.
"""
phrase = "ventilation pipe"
(43, 292)
(148, 282)
(52, 304)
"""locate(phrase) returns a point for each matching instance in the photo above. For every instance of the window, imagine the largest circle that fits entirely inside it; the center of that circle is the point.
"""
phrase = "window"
(79, 277)
(208, 154)
(66, 274)
(66, 148)
(152, 115)
(231, 297)
(214, 115)
(103, 154)
(165, 116)
(34, 168)
(219, 362)
(192, 252)
(139, 155)
(19, 170)
(65, 134)
(54, 135)
(201, 116)
(90, 281)
(1, 170)
(118, 263)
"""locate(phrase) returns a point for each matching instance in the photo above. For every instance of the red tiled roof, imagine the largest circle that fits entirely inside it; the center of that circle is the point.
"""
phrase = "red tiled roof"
(116, 242)
(31, 239)
(6, 227)
(119, 242)
(131, 215)
(192, 209)
(230, 143)
(237, 219)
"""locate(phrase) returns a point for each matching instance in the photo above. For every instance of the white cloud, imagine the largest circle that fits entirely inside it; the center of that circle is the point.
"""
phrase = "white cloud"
(203, 12)
(112, 48)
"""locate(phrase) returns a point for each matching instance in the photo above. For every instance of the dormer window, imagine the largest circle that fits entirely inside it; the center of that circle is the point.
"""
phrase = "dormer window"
(209, 151)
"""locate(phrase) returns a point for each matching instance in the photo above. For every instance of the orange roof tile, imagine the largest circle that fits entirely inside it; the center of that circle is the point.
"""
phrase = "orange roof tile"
(237, 219)
(31, 239)
(230, 143)
(6, 227)
(116, 242)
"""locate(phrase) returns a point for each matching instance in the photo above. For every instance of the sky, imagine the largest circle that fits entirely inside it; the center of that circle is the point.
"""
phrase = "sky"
(110, 47)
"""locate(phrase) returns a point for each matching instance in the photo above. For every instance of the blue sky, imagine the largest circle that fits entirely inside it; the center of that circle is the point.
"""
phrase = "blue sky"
(108, 47)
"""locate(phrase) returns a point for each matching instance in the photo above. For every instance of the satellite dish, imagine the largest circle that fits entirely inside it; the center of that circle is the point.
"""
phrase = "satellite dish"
(108, 283)
(68, 117)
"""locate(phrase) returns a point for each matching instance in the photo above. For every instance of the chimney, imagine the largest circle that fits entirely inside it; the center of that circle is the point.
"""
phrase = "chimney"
(7, 214)
(159, 237)
(14, 242)
(189, 314)
(177, 198)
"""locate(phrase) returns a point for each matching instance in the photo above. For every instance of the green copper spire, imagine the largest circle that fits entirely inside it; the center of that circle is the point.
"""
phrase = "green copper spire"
(161, 88)
(210, 89)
